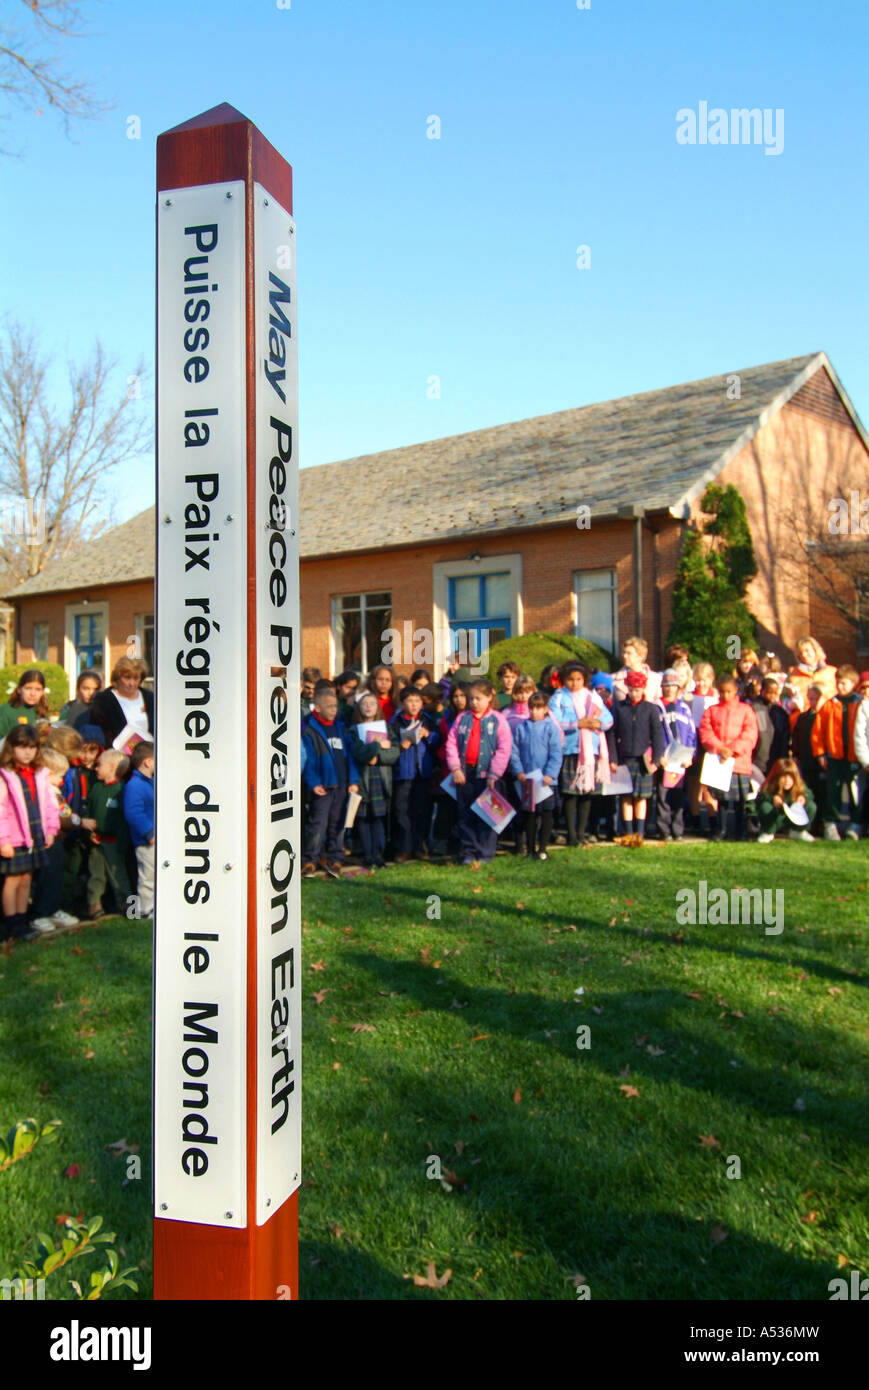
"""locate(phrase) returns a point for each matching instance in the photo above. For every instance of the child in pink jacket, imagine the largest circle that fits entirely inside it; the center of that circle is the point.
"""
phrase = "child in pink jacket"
(730, 730)
(29, 822)
(479, 744)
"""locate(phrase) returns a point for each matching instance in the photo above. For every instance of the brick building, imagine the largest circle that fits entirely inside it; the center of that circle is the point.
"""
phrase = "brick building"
(570, 522)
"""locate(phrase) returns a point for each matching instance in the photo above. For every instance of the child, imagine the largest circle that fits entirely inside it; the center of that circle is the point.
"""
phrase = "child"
(310, 676)
(48, 885)
(670, 786)
(374, 760)
(420, 678)
(76, 788)
(109, 838)
(28, 702)
(508, 673)
(446, 819)
(701, 802)
(781, 725)
(516, 712)
(516, 708)
(536, 748)
(86, 687)
(549, 681)
(328, 770)
(382, 683)
(639, 734)
(730, 730)
(861, 739)
(634, 653)
(418, 738)
(29, 823)
(783, 786)
(580, 714)
(432, 701)
(139, 815)
(606, 807)
(833, 746)
(676, 658)
(478, 751)
(346, 686)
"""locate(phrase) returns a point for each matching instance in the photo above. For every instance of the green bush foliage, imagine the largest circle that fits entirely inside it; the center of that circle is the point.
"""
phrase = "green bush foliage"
(535, 650)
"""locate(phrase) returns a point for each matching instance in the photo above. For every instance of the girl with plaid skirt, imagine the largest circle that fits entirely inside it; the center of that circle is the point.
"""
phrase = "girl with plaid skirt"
(29, 822)
(375, 759)
(640, 744)
(730, 730)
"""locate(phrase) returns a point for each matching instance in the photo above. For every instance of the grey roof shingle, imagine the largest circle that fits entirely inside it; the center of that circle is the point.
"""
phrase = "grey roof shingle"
(656, 448)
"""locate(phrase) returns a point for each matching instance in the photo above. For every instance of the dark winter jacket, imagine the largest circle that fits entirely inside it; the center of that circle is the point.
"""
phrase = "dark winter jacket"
(321, 769)
(636, 727)
(105, 711)
(419, 759)
(372, 760)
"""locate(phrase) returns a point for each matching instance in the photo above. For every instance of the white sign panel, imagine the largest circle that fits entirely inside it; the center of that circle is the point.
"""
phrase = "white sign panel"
(201, 785)
(278, 636)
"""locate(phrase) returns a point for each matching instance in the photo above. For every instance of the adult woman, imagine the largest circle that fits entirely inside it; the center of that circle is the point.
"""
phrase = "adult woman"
(812, 669)
(28, 702)
(124, 703)
(86, 688)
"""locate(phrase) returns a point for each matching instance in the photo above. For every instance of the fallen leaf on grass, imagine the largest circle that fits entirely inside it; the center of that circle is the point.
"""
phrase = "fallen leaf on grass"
(640, 1039)
(834, 989)
(335, 1229)
(478, 1273)
(596, 1009)
(841, 1261)
(517, 1096)
(121, 1146)
(480, 1036)
(810, 1217)
(709, 1141)
(431, 1279)
(655, 1051)
(90, 1055)
(631, 1092)
(72, 1171)
(59, 1001)
(317, 965)
(319, 995)
(460, 1147)
(336, 1066)
(77, 951)
(694, 994)
(451, 1181)
(717, 1234)
(363, 1028)
(737, 1013)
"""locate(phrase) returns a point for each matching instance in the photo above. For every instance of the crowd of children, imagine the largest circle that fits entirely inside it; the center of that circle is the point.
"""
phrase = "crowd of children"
(399, 767)
(76, 817)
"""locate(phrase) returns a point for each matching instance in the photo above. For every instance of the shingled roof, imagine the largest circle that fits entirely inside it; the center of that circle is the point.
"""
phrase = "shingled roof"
(658, 449)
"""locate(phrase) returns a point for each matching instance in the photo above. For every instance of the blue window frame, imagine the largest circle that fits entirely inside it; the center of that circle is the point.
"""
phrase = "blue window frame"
(88, 637)
(480, 604)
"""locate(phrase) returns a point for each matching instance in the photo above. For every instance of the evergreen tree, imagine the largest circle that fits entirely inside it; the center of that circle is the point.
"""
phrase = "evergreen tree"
(715, 568)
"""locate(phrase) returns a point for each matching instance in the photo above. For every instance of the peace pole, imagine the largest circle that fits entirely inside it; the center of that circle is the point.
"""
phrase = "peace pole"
(227, 971)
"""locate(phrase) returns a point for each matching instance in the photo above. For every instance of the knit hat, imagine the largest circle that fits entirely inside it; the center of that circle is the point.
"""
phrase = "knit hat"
(601, 678)
(636, 680)
(670, 677)
(92, 733)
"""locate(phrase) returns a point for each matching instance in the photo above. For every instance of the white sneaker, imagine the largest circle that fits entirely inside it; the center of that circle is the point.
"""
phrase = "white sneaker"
(765, 839)
(43, 925)
(802, 835)
(852, 833)
(63, 919)
(831, 831)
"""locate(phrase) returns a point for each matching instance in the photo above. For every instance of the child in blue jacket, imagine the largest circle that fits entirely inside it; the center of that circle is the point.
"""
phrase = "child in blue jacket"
(413, 792)
(327, 778)
(139, 815)
(537, 747)
(678, 722)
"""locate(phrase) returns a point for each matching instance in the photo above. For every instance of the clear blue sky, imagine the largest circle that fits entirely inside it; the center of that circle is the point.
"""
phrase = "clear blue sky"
(457, 257)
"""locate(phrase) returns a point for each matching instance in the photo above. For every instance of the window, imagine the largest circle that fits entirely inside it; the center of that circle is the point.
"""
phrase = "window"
(40, 641)
(88, 640)
(480, 605)
(359, 622)
(596, 598)
(145, 639)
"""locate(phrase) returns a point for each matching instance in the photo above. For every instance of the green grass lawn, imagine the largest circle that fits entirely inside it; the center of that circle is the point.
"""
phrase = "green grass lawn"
(457, 1039)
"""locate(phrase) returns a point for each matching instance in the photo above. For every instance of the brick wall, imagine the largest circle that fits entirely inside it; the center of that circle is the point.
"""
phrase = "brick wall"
(124, 600)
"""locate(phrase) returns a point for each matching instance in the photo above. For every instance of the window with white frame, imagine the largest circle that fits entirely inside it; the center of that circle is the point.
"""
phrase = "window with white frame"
(596, 607)
(359, 622)
(145, 639)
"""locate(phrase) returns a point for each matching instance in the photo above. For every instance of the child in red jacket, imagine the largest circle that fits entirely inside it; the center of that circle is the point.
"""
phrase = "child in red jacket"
(730, 730)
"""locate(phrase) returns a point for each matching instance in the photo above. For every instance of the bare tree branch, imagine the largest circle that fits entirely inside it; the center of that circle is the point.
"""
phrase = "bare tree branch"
(56, 458)
(32, 72)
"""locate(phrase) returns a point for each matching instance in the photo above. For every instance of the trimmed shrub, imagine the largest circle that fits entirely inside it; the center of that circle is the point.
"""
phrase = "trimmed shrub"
(56, 680)
(534, 650)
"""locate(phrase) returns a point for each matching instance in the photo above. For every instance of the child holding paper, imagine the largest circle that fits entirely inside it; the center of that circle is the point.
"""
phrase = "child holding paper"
(536, 756)
(478, 751)
(729, 730)
(329, 775)
(418, 739)
(374, 754)
(582, 717)
(640, 743)
(783, 789)
(670, 777)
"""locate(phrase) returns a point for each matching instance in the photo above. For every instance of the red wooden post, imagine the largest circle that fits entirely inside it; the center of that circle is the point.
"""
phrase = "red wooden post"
(227, 1012)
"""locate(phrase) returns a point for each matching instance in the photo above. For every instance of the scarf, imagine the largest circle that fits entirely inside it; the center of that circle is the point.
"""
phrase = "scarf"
(472, 752)
(587, 768)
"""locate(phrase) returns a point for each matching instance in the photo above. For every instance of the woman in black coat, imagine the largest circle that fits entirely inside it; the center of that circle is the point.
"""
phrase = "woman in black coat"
(125, 702)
